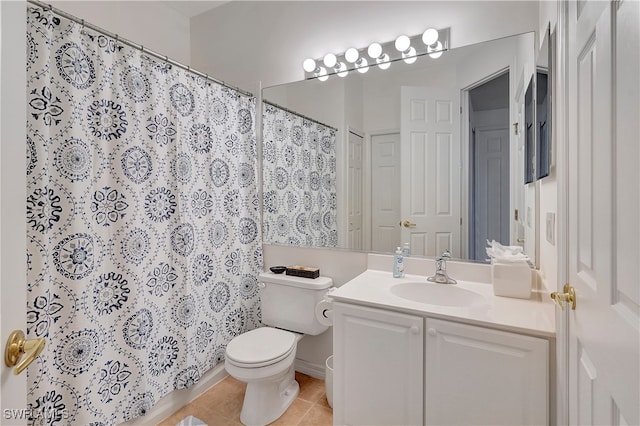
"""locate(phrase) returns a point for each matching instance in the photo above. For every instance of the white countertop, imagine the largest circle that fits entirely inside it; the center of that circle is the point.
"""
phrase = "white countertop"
(529, 316)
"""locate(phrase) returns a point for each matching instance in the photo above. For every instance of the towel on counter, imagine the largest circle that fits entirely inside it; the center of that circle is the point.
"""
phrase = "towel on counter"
(191, 421)
(505, 254)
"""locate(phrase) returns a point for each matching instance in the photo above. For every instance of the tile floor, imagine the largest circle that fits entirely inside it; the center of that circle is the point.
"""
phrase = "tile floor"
(221, 405)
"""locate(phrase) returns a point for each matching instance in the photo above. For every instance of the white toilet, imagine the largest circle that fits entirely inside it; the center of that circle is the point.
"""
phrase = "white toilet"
(264, 357)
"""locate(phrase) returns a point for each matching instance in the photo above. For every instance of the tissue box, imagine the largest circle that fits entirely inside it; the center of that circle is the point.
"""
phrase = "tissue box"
(303, 271)
(511, 279)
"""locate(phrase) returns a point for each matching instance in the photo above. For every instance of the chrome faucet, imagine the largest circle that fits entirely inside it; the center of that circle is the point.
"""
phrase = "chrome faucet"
(441, 276)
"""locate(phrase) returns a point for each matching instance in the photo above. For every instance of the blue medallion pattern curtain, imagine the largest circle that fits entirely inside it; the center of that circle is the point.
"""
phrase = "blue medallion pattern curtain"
(142, 212)
(299, 170)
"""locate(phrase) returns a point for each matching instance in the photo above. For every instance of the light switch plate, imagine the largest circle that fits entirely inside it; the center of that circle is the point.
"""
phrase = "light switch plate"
(551, 228)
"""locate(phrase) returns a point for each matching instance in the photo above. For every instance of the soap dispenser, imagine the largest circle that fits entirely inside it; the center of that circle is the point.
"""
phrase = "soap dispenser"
(398, 264)
(406, 250)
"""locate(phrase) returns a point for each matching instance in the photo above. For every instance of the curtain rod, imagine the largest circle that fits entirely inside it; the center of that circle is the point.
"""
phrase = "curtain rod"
(298, 114)
(140, 47)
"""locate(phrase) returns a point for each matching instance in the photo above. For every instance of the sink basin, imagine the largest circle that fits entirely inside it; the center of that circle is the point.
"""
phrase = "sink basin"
(437, 294)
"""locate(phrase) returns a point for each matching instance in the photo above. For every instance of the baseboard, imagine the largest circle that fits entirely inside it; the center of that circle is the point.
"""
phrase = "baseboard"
(175, 400)
(313, 370)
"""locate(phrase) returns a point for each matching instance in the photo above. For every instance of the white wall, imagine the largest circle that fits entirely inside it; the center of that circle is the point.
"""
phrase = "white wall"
(548, 201)
(150, 23)
(271, 38)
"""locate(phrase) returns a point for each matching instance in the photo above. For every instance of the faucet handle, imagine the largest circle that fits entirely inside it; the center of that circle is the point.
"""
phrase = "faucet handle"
(446, 255)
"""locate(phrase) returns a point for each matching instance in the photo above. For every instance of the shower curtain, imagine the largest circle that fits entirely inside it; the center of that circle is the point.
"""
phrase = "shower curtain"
(144, 242)
(299, 169)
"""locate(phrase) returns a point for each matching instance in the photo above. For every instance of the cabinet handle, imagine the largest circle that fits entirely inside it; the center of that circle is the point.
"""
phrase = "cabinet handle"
(432, 332)
(414, 329)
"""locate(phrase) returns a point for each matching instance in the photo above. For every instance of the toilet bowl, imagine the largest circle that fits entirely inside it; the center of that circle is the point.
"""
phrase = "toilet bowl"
(264, 357)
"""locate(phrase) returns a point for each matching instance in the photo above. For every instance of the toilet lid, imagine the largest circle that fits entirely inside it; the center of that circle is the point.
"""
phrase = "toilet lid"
(260, 347)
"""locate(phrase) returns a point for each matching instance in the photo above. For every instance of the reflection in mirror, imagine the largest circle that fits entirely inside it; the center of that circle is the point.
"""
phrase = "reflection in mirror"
(299, 175)
(529, 138)
(425, 154)
(544, 80)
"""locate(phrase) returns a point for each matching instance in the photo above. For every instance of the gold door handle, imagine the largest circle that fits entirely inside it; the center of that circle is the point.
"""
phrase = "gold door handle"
(568, 296)
(17, 346)
(408, 224)
(520, 240)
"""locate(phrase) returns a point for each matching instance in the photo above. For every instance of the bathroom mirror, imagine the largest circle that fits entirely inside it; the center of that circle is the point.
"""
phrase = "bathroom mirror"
(427, 153)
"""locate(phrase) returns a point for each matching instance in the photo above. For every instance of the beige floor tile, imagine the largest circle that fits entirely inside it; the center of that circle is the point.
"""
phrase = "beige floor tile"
(323, 401)
(221, 405)
(294, 413)
(311, 389)
(318, 415)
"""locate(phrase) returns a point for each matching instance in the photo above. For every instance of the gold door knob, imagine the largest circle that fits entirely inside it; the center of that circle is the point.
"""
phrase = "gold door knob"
(408, 224)
(568, 296)
(17, 346)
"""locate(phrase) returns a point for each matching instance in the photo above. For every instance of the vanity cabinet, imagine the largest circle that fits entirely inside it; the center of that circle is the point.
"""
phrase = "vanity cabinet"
(378, 367)
(393, 368)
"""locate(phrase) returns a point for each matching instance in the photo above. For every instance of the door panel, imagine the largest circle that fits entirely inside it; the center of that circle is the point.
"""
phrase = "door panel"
(385, 198)
(430, 170)
(13, 251)
(355, 191)
(603, 204)
(491, 190)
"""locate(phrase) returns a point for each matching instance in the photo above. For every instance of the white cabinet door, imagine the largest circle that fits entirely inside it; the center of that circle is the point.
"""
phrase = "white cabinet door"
(478, 376)
(378, 359)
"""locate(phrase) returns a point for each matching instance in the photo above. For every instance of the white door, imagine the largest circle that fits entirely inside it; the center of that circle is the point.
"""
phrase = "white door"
(430, 141)
(355, 191)
(13, 288)
(385, 192)
(604, 205)
(490, 204)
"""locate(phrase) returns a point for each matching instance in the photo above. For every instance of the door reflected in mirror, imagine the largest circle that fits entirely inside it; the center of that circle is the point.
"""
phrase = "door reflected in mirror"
(423, 153)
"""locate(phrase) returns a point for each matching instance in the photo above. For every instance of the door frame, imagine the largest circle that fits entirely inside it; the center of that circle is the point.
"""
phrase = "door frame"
(466, 139)
(559, 139)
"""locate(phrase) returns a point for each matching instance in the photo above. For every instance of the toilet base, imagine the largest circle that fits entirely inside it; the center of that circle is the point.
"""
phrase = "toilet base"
(265, 401)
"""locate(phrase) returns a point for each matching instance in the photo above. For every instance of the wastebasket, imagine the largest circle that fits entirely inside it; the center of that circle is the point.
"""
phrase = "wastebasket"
(328, 380)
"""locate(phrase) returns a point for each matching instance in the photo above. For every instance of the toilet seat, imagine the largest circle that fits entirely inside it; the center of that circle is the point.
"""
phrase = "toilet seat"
(260, 347)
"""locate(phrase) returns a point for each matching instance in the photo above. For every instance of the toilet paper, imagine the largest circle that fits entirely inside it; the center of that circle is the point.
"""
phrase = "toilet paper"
(324, 312)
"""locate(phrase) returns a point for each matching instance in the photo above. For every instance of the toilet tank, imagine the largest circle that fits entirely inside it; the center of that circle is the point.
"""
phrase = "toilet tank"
(289, 302)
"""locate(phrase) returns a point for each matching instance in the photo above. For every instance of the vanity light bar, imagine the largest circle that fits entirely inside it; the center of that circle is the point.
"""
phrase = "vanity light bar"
(431, 42)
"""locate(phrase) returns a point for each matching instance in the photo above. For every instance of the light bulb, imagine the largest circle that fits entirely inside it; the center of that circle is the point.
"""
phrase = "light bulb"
(351, 55)
(309, 65)
(435, 52)
(375, 50)
(383, 61)
(409, 56)
(430, 36)
(341, 69)
(403, 43)
(362, 65)
(330, 60)
(322, 74)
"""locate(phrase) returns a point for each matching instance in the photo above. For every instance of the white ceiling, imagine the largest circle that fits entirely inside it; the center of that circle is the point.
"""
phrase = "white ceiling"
(191, 8)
